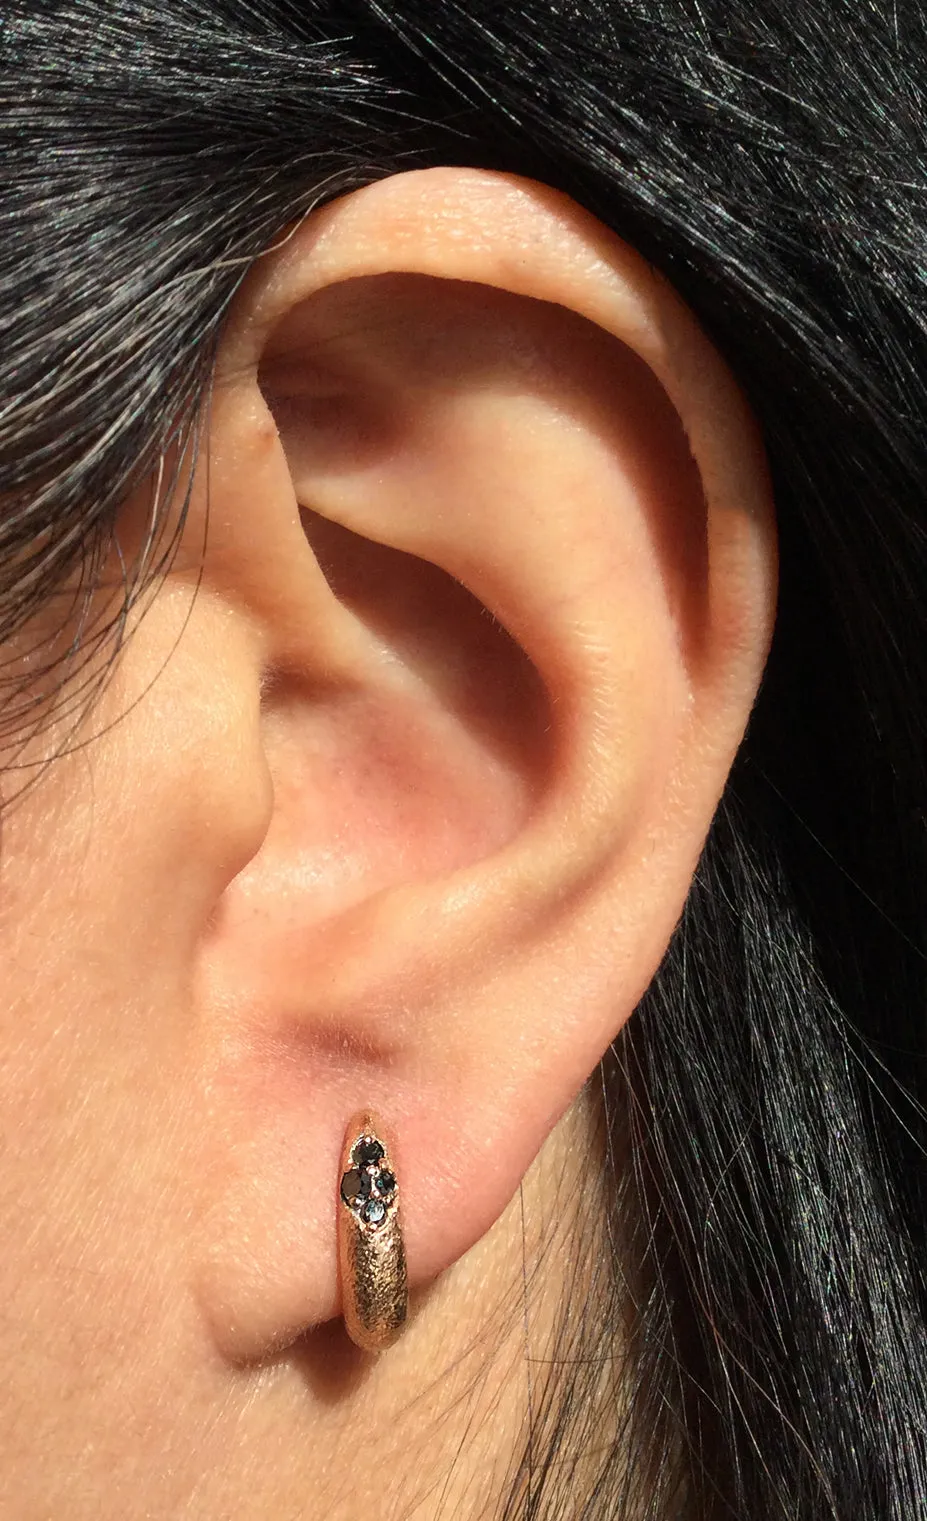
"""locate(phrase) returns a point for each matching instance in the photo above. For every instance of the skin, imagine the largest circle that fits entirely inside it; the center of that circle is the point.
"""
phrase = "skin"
(392, 798)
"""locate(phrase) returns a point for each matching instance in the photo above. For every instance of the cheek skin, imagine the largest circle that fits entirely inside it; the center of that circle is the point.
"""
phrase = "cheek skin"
(109, 869)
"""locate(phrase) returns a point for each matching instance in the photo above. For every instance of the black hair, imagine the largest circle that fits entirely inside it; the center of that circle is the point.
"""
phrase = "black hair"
(766, 1104)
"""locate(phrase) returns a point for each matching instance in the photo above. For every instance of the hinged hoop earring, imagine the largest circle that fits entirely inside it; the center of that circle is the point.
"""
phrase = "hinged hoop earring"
(370, 1248)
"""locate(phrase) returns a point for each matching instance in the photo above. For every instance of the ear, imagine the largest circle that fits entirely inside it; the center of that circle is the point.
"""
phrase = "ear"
(499, 521)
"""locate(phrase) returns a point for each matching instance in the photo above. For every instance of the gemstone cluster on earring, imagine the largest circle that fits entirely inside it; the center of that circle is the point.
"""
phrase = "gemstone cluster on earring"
(369, 1188)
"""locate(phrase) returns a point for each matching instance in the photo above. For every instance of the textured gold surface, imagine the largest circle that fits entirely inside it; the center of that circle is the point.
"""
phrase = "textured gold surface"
(372, 1258)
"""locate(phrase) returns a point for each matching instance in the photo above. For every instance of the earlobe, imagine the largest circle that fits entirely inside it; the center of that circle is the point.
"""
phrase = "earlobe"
(516, 588)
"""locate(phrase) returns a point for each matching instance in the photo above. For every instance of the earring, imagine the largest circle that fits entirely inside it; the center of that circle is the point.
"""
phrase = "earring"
(370, 1247)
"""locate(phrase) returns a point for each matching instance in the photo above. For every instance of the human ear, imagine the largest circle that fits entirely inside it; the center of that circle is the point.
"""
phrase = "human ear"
(498, 520)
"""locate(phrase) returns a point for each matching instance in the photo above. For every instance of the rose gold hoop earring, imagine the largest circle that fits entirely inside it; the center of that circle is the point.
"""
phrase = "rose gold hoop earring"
(370, 1247)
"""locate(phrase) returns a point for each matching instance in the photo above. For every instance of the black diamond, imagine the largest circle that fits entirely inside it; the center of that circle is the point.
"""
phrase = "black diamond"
(367, 1152)
(355, 1187)
(385, 1182)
